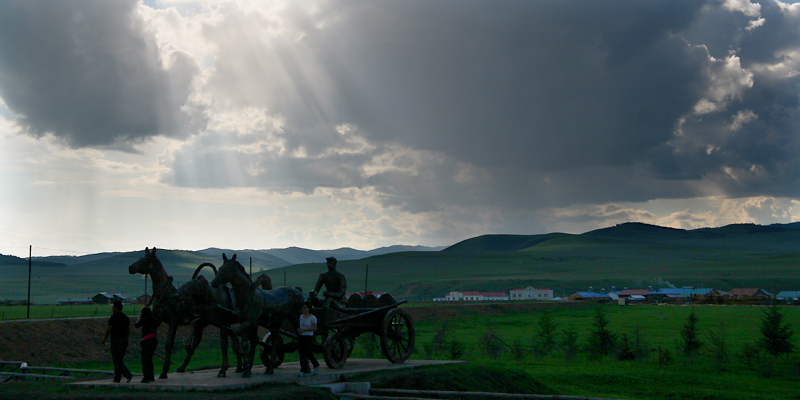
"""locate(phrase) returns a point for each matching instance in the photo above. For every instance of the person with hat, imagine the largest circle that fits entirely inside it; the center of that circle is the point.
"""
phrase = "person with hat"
(335, 284)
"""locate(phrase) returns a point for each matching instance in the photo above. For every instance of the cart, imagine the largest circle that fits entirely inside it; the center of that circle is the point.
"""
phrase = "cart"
(338, 330)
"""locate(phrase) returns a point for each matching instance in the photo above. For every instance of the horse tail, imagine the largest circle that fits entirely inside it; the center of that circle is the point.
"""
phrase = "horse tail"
(201, 266)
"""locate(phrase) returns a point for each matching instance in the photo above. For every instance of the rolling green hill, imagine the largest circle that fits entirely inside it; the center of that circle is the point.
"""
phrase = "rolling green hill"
(628, 255)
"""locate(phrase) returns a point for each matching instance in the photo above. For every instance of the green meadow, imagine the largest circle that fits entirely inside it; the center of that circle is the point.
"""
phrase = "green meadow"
(501, 339)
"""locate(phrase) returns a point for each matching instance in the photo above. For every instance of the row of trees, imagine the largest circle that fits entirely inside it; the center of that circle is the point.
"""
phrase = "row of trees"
(695, 343)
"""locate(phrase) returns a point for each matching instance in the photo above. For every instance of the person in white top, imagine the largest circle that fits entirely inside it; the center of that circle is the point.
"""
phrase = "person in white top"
(308, 325)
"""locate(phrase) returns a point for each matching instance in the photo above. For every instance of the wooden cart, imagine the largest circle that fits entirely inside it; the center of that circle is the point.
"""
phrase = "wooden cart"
(337, 331)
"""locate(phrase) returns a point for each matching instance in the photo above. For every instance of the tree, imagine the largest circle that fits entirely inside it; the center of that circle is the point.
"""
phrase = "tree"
(601, 339)
(690, 334)
(776, 334)
(545, 339)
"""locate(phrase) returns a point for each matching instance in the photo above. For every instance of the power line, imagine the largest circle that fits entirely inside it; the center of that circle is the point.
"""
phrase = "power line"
(68, 251)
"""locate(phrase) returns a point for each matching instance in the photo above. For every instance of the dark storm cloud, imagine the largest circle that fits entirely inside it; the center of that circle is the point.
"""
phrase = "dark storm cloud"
(90, 73)
(543, 103)
(537, 85)
(750, 147)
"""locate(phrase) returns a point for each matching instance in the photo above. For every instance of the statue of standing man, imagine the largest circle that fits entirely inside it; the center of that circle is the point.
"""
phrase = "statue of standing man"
(335, 284)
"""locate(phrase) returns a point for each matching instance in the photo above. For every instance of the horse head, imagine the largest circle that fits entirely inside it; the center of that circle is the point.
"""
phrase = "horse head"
(264, 281)
(147, 264)
(228, 271)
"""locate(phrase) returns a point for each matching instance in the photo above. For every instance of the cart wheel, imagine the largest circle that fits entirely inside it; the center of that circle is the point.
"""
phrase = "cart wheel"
(397, 336)
(335, 351)
(273, 351)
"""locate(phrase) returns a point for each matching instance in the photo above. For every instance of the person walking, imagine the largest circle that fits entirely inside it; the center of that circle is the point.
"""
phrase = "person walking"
(308, 325)
(118, 329)
(149, 342)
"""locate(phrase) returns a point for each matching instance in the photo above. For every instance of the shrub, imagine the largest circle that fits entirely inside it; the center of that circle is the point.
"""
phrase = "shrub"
(601, 340)
(625, 349)
(691, 342)
(719, 348)
(776, 334)
(569, 341)
(455, 349)
(545, 339)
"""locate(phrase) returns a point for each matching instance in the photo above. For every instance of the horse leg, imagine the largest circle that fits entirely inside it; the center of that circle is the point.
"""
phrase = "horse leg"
(237, 349)
(223, 337)
(194, 341)
(173, 329)
(273, 331)
(252, 336)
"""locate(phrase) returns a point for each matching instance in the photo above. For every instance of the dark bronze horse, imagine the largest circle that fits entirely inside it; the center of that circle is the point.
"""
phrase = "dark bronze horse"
(196, 303)
(258, 307)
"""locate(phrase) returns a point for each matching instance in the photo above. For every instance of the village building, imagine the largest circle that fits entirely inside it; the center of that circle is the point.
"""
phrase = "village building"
(749, 295)
(530, 293)
(788, 297)
(68, 301)
(474, 296)
(633, 292)
(103, 298)
(590, 296)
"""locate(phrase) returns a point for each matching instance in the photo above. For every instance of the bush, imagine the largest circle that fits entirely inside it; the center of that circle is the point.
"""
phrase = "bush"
(719, 349)
(455, 349)
(491, 344)
(625, 349)
(776, 334)
(690, 336)
(601, 340)
(569, 341)
(545, 340)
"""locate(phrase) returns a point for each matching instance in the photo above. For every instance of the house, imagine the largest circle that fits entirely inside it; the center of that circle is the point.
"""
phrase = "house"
(671, 295)
(103, 298)
(530, 293)
(66, 302)
(495, 296)
(472, 295)
(749, 295)
(788, 297)
(590, 296)
(143, 299)
(631, 292)
(707, 296)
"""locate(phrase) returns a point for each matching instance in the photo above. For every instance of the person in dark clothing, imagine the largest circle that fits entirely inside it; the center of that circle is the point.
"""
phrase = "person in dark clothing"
(149, 342)
(118, 329)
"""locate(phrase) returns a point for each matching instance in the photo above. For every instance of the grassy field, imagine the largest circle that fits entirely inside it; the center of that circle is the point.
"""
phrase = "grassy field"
(8, 313)
(650, 378)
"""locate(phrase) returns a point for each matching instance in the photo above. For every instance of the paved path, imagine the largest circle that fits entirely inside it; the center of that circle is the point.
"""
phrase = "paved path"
(207, 380)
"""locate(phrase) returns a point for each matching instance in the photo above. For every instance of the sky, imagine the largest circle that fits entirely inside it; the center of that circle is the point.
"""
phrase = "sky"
(323, 124)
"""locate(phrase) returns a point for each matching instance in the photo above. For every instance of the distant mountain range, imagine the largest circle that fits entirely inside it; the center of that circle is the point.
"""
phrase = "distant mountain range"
(266, 259)
(626, 255)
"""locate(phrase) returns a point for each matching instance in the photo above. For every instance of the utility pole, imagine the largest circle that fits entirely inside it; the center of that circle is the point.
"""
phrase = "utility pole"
(30, 254)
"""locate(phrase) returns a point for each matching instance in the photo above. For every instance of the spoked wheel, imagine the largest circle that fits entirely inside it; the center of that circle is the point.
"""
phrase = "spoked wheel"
(397, 336)
(273, 351)
(336, 350)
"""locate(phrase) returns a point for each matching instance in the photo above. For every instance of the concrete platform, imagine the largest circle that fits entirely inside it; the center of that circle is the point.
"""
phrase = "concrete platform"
(207, 380)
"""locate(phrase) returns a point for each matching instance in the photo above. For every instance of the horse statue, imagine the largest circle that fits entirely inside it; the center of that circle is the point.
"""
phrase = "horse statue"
(196, 303)
(258, 307)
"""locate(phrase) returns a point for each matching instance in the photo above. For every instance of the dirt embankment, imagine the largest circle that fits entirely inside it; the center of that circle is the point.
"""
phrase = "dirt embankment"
(63, 342)
(69, 341)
